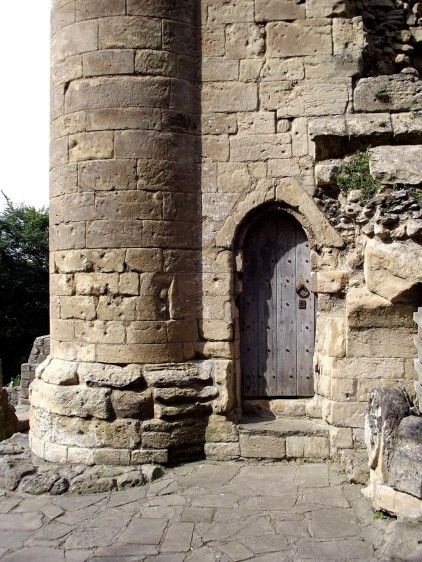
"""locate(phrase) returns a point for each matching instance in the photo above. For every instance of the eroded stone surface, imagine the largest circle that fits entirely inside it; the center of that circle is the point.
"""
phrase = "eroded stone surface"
(205, 512)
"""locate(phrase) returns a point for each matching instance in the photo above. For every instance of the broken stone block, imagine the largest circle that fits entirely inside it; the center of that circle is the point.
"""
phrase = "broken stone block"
(396, 164)
(387, 408)
(393, 271)
(396, 92)
(406, 462)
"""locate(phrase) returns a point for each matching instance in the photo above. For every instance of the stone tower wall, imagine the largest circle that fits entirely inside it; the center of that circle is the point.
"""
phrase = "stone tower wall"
(173, 121)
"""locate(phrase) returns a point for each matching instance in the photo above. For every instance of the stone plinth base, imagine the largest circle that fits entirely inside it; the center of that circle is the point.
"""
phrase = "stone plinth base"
(385, 498)
(92, 413)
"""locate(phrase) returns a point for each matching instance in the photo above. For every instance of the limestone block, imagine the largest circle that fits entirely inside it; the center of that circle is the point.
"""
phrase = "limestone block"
(132, 205)
(74, 39)
(143, 353)
(397, 92)
(390, 273)
(271, 10)
(307, 447)
(216, 330)
(73, 207)
(277, 69)
(397, 503)
(116, 308)
(117, 92)
(283, 168)
(62, 16)
(213, 41)
(129, 32)
(78, 307)
(227, 97)
(59, 154)
(364, 124)
(366, 386)
(301, 38)
(106, 261)
(341, 438)
(63, 179)
(221, 430)
(91, 146)
(250, 69)
(396, 164)
(218, 123)
(366, 310)
(155, 63)
(244, 41)
(222, 451)
(175, 375)
(121, 118)
(329, 281)
(343, 389)
(331, 336)
(129, 284)
(327, 171)
(407, 124)
(326, 8)
(111, 61)
(256, 123)
(348, 37)
(56, 372)
(62, 284)
(262, 446)
(77, 401)
(95, 284)
(131, 404)
(90, 9)
(98, 331)
(405, 470)
(233, 11)
(143, 456)
(149, 260)
(306, 98)
(66, 70)
(215, 69)
(216, 147)
(185, 395)
(262, 147)
(68, 124)
(181, 411)
(110, 376)
(299, 133)
(77, 432)
(347, 414)
(387, 408)
(381, 342)
(222, 373)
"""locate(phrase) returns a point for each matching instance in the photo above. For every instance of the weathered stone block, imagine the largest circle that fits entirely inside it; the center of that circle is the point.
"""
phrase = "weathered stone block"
(381, 342)
(406, 462)
(270, 10)
(100, 63)
(231, 12)
(331, 332)
(244, 41)
(74, 39)
(102, 175)
(90, 9)
(397, 164)
(91, 146)
(301, 38)
(221, 430)
(130, 404)
(222, 451)
(129, 32)
(397, 92)
(262, 446)
(307, 447)
(326, 8)
(76, 401)
(390, 273)
(110, 376)
(227, 97)
(262, 147)
(329, 281)
(306, 98)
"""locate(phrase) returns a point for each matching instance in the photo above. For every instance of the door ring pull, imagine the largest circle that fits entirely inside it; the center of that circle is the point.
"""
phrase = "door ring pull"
(303, 292)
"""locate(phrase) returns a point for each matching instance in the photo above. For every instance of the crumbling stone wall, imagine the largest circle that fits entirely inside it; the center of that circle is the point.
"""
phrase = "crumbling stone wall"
(39, 353)
(173, 121)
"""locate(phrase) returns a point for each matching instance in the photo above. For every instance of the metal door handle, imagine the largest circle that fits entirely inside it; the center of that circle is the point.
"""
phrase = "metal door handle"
(303, 292)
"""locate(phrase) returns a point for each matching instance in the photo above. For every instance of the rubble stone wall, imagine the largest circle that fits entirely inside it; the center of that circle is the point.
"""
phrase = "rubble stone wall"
(172, 122)
(39, 353)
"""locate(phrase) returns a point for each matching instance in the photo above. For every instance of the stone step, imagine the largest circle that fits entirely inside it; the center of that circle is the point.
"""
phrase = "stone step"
(290, 407)
(284, 438)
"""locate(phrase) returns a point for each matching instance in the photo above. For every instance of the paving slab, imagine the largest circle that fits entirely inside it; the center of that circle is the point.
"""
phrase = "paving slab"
(208, 512)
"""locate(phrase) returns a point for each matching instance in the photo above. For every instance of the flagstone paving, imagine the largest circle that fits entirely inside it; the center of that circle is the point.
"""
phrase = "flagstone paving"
(206, 512)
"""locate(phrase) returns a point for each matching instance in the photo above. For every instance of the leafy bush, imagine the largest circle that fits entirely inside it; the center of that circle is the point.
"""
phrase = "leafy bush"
(23, 283)
(355, 174)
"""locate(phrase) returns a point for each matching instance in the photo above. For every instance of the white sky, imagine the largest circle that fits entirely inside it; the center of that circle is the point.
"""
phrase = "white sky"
(24, 100)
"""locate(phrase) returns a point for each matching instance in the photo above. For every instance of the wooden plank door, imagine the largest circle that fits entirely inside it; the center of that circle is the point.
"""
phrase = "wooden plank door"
(276, 323)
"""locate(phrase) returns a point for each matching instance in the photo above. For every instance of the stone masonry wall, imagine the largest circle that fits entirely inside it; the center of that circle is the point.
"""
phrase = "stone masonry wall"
(172, 122)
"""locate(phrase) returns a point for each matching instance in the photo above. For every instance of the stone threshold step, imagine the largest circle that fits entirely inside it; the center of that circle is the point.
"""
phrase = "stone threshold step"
(284, 439)
(289, 407)
(284, 426)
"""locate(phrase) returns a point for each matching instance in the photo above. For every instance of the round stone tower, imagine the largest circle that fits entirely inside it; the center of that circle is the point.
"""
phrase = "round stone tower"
(125, 219)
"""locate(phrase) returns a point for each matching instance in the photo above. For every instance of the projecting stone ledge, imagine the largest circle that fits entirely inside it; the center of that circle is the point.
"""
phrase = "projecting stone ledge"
(397, 164)
(23, 472)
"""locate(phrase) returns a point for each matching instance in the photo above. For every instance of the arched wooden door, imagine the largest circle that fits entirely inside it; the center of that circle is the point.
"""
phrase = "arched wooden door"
(277, 310)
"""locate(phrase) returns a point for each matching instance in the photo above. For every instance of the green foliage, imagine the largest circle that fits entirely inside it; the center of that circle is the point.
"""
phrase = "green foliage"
(355, 174)
(379, 515)
(23, 282)
(15, 381)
